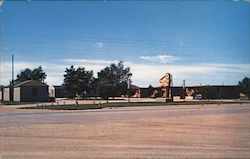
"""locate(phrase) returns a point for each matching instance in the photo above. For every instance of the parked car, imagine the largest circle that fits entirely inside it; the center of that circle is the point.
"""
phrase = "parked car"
(198, 97)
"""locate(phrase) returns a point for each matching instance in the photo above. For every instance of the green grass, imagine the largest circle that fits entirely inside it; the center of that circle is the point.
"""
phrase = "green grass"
(64, 107)
(16, 103)
(244, 98)
(123, 104)
(164, 103)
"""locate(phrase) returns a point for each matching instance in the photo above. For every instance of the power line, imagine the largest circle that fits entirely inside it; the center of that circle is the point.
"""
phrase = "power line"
(116, 40)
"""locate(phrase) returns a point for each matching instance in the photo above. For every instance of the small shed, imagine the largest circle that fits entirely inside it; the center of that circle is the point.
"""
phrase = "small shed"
(6, 94)
(28, 91)
(1, 93)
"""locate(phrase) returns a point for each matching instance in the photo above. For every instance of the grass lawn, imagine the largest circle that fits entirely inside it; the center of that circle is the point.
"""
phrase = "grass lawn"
(16, 103)
(123, 104)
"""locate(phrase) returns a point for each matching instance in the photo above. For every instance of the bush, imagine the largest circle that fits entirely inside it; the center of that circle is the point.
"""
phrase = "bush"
(51, 99)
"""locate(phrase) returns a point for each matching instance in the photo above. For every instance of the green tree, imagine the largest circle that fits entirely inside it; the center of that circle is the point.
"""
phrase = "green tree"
(113, 79)
(38, 74)
(106, 90)
(78, 81)
(244, 86)
(94, 86)
(28, 74)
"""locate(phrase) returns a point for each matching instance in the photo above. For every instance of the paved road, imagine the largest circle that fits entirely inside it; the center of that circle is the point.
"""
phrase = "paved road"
(139, 132)
(115, 114)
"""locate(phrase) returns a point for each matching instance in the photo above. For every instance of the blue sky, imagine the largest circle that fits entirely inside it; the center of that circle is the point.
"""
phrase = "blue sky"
(203, 42)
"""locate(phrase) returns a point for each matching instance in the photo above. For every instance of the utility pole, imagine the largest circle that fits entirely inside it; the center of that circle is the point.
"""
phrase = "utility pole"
(12, 68)
(12, 81)
(1, 40)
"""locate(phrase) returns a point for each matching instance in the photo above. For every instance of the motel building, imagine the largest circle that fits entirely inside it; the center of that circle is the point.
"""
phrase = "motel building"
(27, 91)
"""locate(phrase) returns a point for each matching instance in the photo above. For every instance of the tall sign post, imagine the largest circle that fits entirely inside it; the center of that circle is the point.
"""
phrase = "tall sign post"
(166, 83)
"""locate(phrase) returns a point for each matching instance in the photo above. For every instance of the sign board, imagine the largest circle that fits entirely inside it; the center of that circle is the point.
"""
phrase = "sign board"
(166, 81)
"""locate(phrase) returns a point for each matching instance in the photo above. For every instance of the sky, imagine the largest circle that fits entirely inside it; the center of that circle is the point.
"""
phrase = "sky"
(203, 42)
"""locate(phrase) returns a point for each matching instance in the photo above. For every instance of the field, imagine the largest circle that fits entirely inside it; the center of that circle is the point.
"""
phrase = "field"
(180, 131)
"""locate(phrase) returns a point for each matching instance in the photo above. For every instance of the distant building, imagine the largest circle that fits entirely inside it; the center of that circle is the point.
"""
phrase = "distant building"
(1, 93)
(220, 92)
(6, 94)
(58, 92)
(27, 91)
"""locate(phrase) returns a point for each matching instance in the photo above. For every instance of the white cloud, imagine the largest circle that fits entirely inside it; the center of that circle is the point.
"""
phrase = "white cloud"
(99, 45)
(248, 1)
(143, 74)
(204, 73)
(54, 71)
(1, 3)
(160, 58)
(89, 61)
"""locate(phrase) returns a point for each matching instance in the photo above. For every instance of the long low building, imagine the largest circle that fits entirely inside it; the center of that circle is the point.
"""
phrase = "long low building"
(27, 91)
(58, 91)
(207, 92)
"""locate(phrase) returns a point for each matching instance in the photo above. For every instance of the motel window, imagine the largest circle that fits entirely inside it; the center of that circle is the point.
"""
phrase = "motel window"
(34, 91)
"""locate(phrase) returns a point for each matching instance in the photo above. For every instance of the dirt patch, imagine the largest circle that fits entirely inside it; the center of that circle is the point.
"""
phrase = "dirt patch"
(189, 136)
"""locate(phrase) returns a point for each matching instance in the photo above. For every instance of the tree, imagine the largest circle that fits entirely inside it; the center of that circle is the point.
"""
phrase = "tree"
(38, 74)
(28, 74)
(94, 86)
(113, 79)
(106, 90)
(244, 86)
(78, 81)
